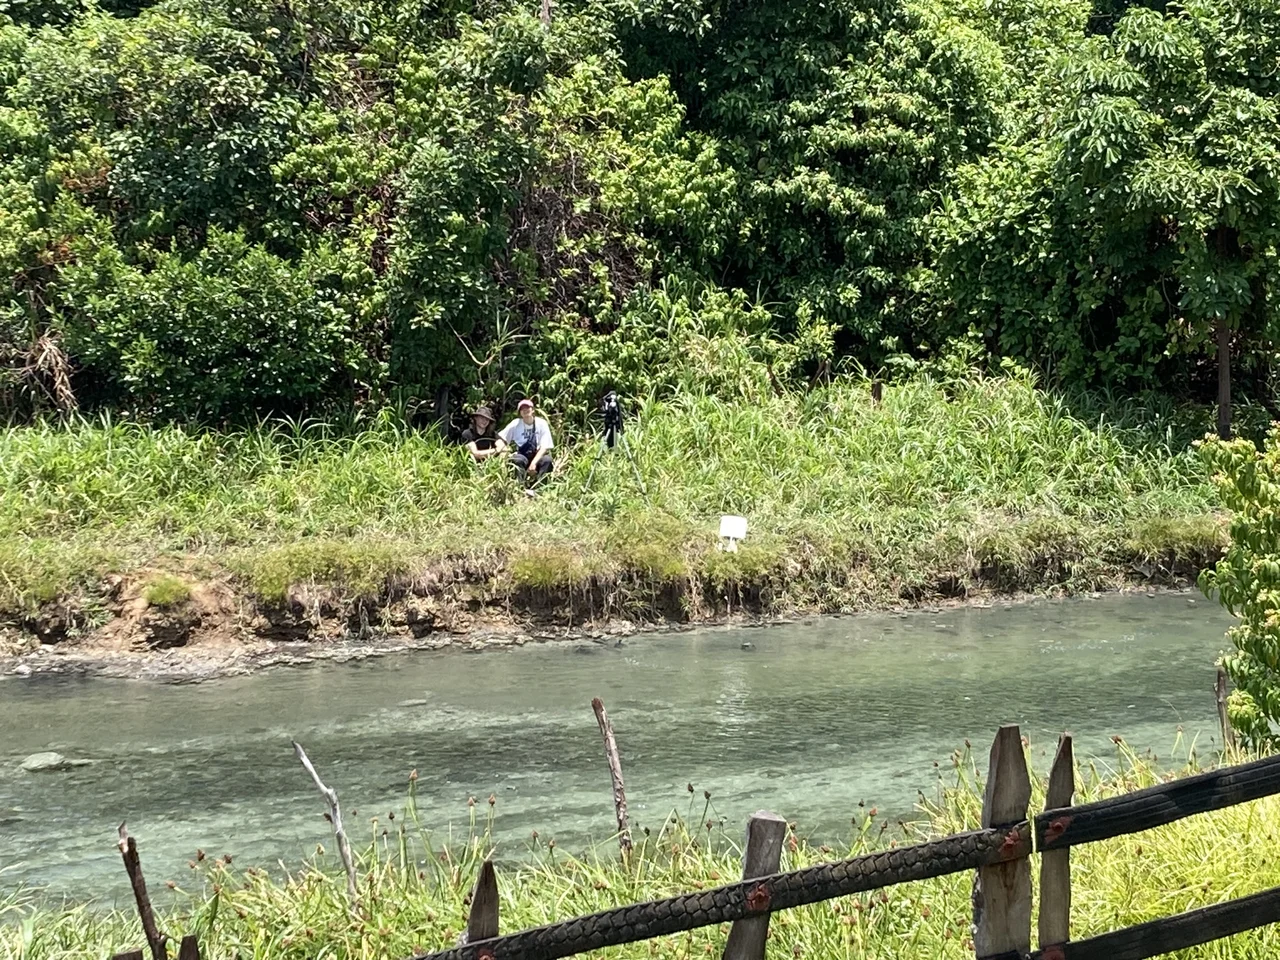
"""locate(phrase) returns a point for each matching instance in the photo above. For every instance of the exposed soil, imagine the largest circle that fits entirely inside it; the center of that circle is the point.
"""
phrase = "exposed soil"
(218, 631)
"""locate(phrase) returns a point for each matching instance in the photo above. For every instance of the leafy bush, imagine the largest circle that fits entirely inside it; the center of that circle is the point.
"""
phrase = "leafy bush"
(233, 330)
(1247, 581)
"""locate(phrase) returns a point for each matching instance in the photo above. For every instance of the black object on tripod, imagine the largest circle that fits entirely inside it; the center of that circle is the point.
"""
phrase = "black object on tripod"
(614, 430)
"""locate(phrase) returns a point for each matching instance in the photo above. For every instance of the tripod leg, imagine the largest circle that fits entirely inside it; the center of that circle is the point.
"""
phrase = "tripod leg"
(635, 469)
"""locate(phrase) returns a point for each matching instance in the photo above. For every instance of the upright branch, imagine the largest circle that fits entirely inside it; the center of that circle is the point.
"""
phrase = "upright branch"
(615, 773)
(1224, 719)
(335, 817)
(133, 866)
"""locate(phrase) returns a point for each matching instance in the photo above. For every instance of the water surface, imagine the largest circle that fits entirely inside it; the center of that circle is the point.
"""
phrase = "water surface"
(805, 719)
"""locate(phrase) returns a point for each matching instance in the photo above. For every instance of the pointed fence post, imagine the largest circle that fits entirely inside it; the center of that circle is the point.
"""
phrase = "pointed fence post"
(765, 833)
(1002, 891)
(1055, 865)
(482, 922)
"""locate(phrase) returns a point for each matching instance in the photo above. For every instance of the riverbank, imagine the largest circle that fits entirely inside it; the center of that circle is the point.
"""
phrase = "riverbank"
(198, 663)
(415, 893)
(120, 541)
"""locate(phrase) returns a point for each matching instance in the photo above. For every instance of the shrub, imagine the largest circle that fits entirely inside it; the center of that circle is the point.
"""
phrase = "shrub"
(1247, 580)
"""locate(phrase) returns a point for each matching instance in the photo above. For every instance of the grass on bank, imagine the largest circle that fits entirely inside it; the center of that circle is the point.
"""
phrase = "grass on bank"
(415, 891)
(849, 502)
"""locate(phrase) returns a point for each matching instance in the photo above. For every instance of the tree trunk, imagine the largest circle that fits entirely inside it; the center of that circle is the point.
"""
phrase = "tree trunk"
(1224, 378)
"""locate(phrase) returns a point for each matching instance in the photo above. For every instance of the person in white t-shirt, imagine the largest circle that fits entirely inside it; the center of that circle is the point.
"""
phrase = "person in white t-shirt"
(529, 438)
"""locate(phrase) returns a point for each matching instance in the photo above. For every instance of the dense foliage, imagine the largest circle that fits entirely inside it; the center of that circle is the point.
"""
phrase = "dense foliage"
(1247, 581)
(212, 210)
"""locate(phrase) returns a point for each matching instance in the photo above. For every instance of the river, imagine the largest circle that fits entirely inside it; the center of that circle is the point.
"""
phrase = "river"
(805, 719)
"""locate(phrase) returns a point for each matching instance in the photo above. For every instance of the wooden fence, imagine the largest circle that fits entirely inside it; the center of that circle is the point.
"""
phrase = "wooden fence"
(1000, 854)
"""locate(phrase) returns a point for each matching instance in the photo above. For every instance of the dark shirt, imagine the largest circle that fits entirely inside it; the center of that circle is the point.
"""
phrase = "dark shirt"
(483, 442)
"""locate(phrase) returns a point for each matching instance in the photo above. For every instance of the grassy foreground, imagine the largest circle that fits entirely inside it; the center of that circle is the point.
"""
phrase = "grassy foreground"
(414, 891)
(944, 485)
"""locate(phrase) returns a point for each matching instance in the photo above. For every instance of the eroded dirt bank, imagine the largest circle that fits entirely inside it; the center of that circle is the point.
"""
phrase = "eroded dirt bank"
(201, 628)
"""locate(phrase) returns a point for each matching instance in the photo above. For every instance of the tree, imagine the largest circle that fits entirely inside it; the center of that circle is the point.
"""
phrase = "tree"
(1144, 219)
(844, 121)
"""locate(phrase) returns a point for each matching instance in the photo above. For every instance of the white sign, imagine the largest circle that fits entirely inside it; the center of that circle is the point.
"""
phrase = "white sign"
(732, 529)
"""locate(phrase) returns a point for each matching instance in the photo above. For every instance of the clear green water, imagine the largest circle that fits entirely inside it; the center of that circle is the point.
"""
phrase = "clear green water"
(809, 720)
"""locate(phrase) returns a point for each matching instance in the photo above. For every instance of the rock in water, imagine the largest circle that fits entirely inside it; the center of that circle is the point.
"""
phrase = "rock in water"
(49, 760)
(44, 761)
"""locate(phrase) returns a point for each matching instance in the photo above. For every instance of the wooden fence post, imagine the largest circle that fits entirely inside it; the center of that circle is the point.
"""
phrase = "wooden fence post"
(615, 774)
(1220, 690)
(482, 922)
(1002, 891)
(133, 866)
(763, 856)
(1055, 865)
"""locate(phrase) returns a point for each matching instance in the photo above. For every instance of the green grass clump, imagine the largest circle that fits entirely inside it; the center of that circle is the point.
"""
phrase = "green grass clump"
(358, 568)
(940, 481)
(166, 590)
(551, 567)
(415, 888)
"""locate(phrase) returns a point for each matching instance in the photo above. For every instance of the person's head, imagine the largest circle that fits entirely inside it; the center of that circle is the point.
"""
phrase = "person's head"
(525, 409)
(481, 420)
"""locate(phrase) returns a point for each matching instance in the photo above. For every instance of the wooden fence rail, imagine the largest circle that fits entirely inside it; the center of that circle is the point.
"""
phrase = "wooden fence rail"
(999, 853)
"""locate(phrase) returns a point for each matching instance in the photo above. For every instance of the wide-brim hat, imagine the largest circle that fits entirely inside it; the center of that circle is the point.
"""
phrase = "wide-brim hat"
(484, 412)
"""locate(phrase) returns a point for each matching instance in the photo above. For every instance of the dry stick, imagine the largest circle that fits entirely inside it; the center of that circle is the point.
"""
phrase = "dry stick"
(1055, 865)
(482, 922)
(335, 815)
(765, 833)
(615, 773)
(132, 865)
(189, 949)
(1002, 891)
(1220, 689)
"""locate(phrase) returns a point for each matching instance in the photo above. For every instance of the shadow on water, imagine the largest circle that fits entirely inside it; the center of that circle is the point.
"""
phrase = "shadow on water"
(805, 719)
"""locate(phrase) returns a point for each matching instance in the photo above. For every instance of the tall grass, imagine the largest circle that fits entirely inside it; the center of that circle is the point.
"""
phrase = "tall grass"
(414, 888)
(939, 480)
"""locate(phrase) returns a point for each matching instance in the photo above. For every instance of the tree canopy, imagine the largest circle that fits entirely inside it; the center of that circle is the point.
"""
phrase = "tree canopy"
(216, 211)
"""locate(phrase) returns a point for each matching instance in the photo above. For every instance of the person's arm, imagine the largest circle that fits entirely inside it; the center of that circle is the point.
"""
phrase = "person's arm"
(499, 446)
(482, 455)
(544, 446)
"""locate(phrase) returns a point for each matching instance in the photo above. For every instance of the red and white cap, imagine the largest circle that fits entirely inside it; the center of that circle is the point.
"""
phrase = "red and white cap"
(524, 403)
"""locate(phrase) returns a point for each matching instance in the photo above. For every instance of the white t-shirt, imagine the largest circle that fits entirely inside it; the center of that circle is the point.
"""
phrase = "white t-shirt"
(517, 434)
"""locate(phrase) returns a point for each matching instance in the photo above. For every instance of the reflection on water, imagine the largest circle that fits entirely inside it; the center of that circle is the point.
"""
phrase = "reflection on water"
(805, 719)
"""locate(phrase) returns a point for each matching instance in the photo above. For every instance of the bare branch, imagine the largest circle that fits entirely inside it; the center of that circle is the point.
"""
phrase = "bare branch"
(335, 814)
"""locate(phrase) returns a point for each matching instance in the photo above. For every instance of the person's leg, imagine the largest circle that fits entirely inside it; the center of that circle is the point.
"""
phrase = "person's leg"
(520, 464)
(544, 469)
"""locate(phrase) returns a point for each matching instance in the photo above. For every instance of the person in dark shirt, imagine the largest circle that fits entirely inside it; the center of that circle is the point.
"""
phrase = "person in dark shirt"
(479, 437)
